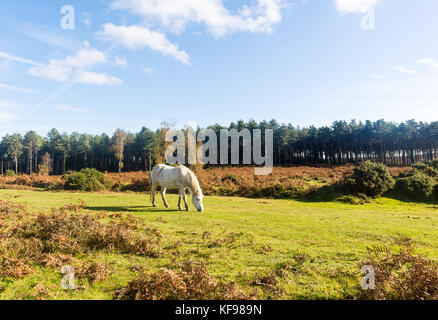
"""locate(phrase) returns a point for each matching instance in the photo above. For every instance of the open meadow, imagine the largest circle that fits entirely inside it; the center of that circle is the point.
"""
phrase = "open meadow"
(269, 249)
(299, 137)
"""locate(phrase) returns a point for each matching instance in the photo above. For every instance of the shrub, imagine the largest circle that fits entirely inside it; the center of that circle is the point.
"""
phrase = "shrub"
(10, 173)
(371, 179)
(230, 177)
(419, 166)
(429, 169)
(435, 193)
(29, 241)
(277, 191)
(417, 186)
(431, 172)
(85, 180)
(350, 199)
(193, 282)
(434, 164)
(63, 231)
(137, 185)
(402, 276)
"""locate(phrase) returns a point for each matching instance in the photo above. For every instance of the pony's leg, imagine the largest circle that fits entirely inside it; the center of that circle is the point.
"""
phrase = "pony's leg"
(163, 195)
(183, 194)
(179, 201)
(153, 190)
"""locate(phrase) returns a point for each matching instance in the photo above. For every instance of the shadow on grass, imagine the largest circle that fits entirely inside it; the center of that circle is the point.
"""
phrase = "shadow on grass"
(335, 192)
(132, 209)
(419, 199)
(323, 194)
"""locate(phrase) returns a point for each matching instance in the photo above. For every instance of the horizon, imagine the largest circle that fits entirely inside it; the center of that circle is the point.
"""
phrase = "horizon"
(184, 127)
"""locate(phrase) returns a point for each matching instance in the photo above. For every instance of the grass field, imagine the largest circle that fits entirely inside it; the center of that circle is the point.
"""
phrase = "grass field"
(241, 240)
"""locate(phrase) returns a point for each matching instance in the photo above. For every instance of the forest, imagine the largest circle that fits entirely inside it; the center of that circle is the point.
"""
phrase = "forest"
(394, 144)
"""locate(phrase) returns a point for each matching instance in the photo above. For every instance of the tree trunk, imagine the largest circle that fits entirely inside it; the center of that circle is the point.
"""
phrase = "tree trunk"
(16, 164)
(30, 158)
(53, 161)
(63, 165)
(30, 163)
(36, 160)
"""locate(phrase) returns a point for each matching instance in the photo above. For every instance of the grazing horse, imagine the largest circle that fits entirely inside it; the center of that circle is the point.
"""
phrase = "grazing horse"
(180, 178)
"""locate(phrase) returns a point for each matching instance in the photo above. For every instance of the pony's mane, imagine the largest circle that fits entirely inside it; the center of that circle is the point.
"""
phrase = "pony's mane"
(195, 184)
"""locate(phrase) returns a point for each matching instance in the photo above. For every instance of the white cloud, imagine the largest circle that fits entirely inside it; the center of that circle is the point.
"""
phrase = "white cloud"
(17, 89)
(148, 70)
(63, 107)
(404, 70)
(377, 76)
(7, 104)
(5, 64)
(136, 37)
(74, 68)
(120, 61)
(6, 117)
(87, 22)
(53, 37)
(66, 87)
(355, 6)
(101, 79)
(429, 62)
(11, 57)
(177, 14)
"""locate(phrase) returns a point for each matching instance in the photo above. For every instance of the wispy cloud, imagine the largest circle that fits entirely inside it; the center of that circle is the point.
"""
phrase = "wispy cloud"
(148, 70)
(98, 78)
(63, 107)
(17, 89)
(355, 6)
(377, 76)
(11, 105)
(6, 117)
(75, 68)
(120, 61)
(66, 87)
(136, 37)
(220, 21)
(429, 62)
(160, 17)
(404, 70)
(54, 38)
(11, 57)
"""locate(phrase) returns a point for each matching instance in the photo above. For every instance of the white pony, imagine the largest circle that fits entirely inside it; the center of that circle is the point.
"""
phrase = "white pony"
(180, 178)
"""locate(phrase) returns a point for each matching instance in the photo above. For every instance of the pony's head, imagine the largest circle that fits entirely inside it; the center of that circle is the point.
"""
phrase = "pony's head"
(197, 202)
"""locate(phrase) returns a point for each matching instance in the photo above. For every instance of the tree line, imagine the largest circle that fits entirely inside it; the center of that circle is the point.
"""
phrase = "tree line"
(343, 142)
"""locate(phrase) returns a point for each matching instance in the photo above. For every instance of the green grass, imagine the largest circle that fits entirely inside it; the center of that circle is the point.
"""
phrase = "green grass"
(266, 233)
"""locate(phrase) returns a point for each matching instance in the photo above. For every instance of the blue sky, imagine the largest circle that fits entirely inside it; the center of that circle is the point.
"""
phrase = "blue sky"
(134, 63)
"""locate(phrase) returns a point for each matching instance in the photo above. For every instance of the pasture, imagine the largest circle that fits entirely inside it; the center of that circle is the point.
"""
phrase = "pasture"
(278, 249)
